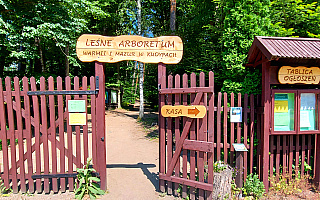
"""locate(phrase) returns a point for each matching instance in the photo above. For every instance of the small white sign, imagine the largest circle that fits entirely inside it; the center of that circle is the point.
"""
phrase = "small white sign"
(239, 147)
(236, 114)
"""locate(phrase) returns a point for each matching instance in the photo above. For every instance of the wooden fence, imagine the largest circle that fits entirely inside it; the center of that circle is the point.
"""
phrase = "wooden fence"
(201, 150)
(41, 145)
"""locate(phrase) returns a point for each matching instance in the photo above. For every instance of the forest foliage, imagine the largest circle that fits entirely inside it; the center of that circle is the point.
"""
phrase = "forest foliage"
(38, 38)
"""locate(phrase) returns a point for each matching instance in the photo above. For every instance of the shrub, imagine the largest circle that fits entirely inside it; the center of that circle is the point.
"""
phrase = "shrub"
(253, 186)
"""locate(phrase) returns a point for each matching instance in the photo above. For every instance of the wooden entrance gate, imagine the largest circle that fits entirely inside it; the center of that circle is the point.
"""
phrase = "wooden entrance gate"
(189, 147)
(186, 136)
(41, 145)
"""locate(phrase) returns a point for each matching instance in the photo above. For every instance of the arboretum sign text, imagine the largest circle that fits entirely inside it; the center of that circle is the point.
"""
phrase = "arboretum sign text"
(165, 49)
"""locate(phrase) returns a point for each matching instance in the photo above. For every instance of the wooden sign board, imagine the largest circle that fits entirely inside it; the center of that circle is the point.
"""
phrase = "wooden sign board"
(77, 119)
(76, 106)
(187, 111)
(165, 49)
(294, 75)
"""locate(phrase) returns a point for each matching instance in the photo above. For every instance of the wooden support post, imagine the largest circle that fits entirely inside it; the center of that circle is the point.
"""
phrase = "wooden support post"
(317, 161)
(101, 126)
(265, 135)
(239, 168)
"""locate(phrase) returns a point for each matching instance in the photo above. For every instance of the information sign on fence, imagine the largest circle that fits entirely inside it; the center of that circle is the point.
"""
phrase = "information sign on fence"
(188, 111)
(164, 49)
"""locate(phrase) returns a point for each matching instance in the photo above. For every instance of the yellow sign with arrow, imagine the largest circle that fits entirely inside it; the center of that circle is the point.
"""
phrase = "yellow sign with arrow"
(198, 111)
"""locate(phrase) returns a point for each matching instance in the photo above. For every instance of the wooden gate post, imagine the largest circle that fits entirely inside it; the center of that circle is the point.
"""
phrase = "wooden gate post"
(101, 126)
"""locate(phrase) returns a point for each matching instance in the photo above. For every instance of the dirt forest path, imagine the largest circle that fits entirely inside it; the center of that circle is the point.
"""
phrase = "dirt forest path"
(132, 159)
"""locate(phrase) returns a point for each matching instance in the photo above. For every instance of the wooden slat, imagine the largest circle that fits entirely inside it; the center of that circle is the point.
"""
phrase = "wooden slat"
(3, 125)
(184, 152)
(202, 137)
(186, 90)
(210, 133)
(93, 121)
(44, 134)
(225, 127)
(29, 133)
(290, 155)
(191, 183)
(251, 131)
(285, 154)
(61, 134)
(52, 133)
(232, 131)
(193, 83)
(11, 134)
(162, 137)
(219, 126)
(77, 128)
(169, 133)
(239, 124)
(20, 136)
(303, 153)
(245, 135)
(297, 155)
(196, 145)
(35, 102)
(69, 138)
(177, 133)
(85, 127)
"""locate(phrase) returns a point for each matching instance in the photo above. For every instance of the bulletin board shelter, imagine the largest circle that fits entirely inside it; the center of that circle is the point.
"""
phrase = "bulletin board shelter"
(289, 135)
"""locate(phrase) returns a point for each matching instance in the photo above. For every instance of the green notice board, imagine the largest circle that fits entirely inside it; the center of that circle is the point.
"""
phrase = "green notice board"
(283, 112)
(76, 106)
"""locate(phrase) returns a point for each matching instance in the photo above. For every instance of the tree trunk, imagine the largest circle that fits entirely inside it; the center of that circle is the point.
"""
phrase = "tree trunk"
(67, 65)
(222, 184)
(173, 9)
(141, 109)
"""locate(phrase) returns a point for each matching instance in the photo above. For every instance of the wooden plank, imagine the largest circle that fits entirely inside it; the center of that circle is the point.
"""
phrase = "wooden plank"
(166, 49)
(20, 136)
(52, 133)
(85, 127)
(192, 90)
(193, 83)
(3, 125)
(184, 152)
(225, 127)
(245, 135)
(36, 111)
(196, 145)
(232, 132)
(77, 128)
(61, 134)
(303, 153)
(239, 124)
(169, 133)
(28, 135)
(284, 155)
(202, 137)
(309, 148)
(272, 145)
(251, 132)
(191, 183)
(69, 137)
(93, 121)
(278, 155)
(177, 133)
(11, 135)
(297, 155)
(162, 137)
(290, 155)
(44, 122)
(210, 133)
(219, 126)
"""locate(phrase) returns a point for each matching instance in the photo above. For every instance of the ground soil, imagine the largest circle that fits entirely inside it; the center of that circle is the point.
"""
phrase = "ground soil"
(132, 161)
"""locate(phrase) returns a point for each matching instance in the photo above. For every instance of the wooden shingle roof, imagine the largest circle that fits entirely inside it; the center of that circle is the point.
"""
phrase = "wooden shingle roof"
(285, 49)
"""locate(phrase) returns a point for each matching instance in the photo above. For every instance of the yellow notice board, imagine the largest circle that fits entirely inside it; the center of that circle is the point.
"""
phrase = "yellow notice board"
(281, 106)
(77, 119)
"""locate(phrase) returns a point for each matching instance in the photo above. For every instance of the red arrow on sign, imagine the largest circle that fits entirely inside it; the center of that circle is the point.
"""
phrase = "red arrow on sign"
(194, 111)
